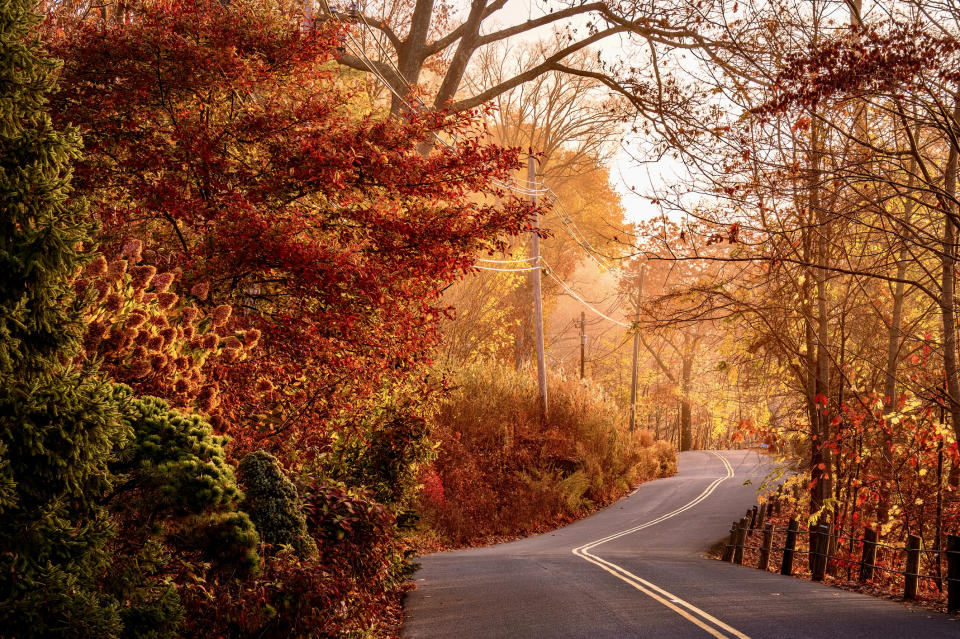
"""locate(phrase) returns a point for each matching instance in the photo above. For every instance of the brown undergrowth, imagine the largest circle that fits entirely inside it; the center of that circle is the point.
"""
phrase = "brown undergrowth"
(502, 472)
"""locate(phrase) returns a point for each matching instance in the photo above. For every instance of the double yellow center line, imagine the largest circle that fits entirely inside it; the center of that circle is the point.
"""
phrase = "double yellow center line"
(709, 623)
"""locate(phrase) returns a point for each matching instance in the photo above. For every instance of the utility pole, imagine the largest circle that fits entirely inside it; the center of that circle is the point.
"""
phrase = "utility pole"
(636, 352)
(537, 295)
(583, 341)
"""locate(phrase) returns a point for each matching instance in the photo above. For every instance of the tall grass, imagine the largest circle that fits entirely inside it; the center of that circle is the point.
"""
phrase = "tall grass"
(501, 471)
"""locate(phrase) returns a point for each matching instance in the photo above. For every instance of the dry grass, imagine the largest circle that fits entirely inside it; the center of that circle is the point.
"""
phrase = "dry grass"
(502, 472)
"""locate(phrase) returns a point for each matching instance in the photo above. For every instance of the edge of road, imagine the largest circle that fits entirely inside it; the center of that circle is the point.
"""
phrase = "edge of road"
(685, 609)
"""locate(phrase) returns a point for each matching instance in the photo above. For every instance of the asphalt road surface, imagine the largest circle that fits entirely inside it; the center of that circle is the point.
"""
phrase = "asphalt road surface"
(636, 569)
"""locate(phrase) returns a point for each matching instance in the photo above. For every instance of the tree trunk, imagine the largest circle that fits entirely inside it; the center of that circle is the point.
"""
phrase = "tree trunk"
(948, 261)
(686, 428)
(890, 387)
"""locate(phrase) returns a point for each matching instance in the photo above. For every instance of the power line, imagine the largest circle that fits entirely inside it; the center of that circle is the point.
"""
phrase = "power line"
(507, 270)
(575, 295)
(525, 259)
(577, 235)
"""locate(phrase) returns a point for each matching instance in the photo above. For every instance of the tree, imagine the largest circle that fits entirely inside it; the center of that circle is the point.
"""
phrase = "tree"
(246, 162)
(412, 37)
(570, 123)
(59, 426)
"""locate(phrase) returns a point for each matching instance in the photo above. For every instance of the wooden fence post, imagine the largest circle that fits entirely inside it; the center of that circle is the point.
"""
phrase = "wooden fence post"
(765, 549)
(776, 503)
(953, 573)
(820, 540)
(911, 567)
(786, 565)
(728, 551)
(762, 515)
(833, 540)
(869, 557)
(741, 541)
(753, 519)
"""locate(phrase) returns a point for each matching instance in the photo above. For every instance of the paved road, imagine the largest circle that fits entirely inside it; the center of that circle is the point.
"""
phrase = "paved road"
(635, 569)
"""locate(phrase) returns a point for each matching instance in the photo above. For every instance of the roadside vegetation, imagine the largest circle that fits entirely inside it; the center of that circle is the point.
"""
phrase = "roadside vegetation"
(268, 265)
(502, 472)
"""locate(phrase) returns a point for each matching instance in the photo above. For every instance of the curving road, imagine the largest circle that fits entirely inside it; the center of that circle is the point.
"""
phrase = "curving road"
(635, 569)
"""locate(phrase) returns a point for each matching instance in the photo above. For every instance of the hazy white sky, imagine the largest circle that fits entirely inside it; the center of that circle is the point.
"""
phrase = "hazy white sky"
(625, 171)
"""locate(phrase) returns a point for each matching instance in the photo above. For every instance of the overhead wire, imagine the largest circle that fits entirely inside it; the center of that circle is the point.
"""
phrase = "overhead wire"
(549, 271)
(577, 235)
(507, 270)
(513, 186)
(526, 259)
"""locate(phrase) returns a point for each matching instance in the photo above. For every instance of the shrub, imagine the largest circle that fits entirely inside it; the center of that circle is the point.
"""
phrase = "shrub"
(58, 426)
(381, 454)
(341, 590)
(500, 471)
(179, 486)
(273, 504)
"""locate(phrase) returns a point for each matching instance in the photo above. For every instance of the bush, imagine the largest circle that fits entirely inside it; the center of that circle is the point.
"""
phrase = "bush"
(501, 472)
(273, 504)
(59, 428)
(341, 590)
(179, 486)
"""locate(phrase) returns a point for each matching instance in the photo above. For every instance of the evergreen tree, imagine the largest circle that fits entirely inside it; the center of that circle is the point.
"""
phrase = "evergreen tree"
(273, 504)
(59, 426)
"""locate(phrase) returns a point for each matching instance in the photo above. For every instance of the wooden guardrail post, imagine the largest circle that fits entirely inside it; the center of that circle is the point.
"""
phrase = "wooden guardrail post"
(753, 518)
(741, 541)
(869, 557)
(762, 515)
(911, 567)
(786, 565)
(953, 573)
(765, 548)
(832, 541)
(818, 551)
(728, 551)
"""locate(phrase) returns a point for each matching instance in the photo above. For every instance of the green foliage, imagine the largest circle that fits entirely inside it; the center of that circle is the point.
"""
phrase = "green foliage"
(178, 457)
(382, 454)
(152, 607)
(229, 538)
(59, 433)
(59, 426)
(176, 470)
(40, 232)
(273, 503)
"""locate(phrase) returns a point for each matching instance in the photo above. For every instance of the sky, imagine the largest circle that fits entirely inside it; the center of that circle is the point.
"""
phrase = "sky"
(625, 171)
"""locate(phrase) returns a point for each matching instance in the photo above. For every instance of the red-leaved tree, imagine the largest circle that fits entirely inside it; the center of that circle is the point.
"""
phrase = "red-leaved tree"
(224, 136)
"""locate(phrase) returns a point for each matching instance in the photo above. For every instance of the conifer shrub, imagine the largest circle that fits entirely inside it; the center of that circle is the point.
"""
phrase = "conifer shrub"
(179, 484)
(273, 504)
(341, 590)
(59, 425)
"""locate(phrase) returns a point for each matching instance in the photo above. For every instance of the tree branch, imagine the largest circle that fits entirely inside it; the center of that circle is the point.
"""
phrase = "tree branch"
(375, 23)
(549, 64)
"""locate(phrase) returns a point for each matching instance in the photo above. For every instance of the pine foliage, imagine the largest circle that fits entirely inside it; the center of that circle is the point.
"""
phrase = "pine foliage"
(273, 503)
(58, 425)
(180, 487)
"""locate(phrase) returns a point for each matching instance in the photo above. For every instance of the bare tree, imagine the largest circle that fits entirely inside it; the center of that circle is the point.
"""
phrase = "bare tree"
(416, 36)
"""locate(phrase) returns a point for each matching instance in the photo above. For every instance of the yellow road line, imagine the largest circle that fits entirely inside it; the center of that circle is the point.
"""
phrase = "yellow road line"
(692, 613)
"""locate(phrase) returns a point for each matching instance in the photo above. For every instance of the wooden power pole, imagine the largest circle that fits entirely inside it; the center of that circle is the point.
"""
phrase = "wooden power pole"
(636, 353)
(537, 295)
(583, 342)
